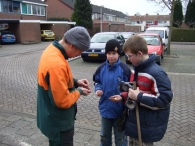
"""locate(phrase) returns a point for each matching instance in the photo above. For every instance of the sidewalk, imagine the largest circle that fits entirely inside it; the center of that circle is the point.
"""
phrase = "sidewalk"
(19, 129)
(18, 91)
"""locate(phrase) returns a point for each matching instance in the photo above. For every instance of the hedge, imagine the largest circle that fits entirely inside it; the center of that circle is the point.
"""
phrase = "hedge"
(183, 35)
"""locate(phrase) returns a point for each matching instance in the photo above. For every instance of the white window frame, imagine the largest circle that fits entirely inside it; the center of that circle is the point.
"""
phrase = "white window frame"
(37, 8)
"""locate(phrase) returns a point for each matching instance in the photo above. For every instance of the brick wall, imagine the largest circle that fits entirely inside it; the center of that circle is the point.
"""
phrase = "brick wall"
(21, 17)
(56, 8)
(60, 29)
(30, 32)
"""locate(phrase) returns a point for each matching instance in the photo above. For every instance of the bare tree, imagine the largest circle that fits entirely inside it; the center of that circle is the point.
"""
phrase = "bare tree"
(170, 4)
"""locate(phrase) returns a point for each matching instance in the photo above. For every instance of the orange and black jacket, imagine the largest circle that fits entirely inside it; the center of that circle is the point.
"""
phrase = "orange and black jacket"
(57, 93)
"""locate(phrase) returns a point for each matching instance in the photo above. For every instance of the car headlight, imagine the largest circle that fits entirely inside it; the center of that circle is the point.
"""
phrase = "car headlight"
(103, 50)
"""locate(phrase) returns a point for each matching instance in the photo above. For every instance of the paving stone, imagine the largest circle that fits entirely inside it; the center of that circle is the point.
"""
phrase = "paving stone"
(4, 123)
(13, 118)
(20, 124)
(82, 138)
(18, 86)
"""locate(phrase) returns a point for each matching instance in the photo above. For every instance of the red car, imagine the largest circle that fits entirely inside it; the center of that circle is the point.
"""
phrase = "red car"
(155, 45)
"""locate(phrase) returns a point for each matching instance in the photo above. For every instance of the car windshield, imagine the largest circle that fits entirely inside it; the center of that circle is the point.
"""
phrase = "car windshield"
(48, 31)
(126, 35)
(160, 32)
(6, 32)
(102, 38)
(151, 40)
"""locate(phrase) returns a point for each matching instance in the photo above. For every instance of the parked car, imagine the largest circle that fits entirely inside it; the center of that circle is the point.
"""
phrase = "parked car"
(7, 37)
(96, 51)
(162, 31)
(47, 35)
(155, 46)
(127, 35)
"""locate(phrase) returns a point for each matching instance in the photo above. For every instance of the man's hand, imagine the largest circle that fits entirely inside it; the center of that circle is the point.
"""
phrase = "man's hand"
(116, 98)
(85, 91)
(99, 93)
(83, 83)
(133, 93)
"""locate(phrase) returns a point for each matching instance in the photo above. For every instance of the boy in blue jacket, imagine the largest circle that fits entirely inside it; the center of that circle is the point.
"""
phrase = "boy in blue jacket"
(107, 78)
(153, 94)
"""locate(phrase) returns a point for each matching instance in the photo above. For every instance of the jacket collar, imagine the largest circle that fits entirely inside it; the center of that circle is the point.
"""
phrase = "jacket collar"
(61, 48)
(115, 65)
(146, 63)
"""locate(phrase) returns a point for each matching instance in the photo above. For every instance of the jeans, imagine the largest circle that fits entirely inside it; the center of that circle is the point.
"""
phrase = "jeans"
(66, 138)
(107, 125)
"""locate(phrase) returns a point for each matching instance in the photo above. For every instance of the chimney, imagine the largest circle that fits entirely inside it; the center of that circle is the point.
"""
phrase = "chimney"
(146, 14)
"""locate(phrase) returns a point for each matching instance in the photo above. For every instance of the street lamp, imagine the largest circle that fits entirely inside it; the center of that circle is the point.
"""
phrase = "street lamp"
(101, 18)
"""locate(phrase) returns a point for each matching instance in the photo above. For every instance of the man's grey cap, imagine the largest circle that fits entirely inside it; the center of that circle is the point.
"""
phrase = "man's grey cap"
(79, 37)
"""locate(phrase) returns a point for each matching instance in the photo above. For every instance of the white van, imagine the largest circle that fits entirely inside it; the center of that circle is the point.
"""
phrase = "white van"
(162, 31)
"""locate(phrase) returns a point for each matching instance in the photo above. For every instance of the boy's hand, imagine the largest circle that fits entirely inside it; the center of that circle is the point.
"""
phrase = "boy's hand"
(99, 92)
(83, 83)
(116, 98)
(85, 91)
(133, 93)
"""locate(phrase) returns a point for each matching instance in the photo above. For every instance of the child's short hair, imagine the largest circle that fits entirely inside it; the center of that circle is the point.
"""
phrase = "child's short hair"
(135, 44)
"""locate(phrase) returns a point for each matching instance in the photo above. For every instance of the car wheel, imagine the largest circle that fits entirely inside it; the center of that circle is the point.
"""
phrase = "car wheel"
(160, 61)
(84, 59)
(43, 39)
(162, 56)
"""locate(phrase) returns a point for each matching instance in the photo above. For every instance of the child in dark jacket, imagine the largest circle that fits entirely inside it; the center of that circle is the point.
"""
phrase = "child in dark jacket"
(153, 94)
(107, 78)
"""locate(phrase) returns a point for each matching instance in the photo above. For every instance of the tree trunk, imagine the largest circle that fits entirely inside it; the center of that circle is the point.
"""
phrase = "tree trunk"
(170, 28)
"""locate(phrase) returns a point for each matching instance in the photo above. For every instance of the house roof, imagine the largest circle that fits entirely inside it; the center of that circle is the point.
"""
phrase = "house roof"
(96, 9)
(70, 3)
(150, 17)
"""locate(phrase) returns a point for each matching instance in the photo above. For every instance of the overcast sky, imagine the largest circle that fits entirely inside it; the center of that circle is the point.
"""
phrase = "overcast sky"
(131, 7)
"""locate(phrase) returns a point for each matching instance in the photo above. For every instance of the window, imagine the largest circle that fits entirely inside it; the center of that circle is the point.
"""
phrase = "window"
(10, 6)
(5, 6)
(16, 7)
(34, 9)
(149, 22)
(0, 6)
(42, 11)
(31, 9)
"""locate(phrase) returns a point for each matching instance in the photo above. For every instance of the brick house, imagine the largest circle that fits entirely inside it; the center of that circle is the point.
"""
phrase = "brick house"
(112, 20)
(26, 18)
(148, 20)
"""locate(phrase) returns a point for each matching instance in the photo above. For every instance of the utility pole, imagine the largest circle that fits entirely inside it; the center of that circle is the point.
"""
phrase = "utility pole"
(101, 18)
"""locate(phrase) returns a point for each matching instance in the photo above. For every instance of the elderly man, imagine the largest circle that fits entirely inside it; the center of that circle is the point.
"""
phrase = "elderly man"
(57, 90)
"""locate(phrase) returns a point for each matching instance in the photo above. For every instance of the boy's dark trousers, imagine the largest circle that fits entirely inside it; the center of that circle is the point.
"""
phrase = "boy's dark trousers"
(66, 138)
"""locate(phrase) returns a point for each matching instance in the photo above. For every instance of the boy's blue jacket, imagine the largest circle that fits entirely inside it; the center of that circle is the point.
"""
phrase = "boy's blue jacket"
(153, 102)
(107, 78)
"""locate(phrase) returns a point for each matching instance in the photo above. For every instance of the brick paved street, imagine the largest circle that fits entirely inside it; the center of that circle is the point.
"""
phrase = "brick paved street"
(18, 68)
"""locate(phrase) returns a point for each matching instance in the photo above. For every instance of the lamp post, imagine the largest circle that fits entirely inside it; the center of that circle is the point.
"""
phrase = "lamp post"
(101, 18)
